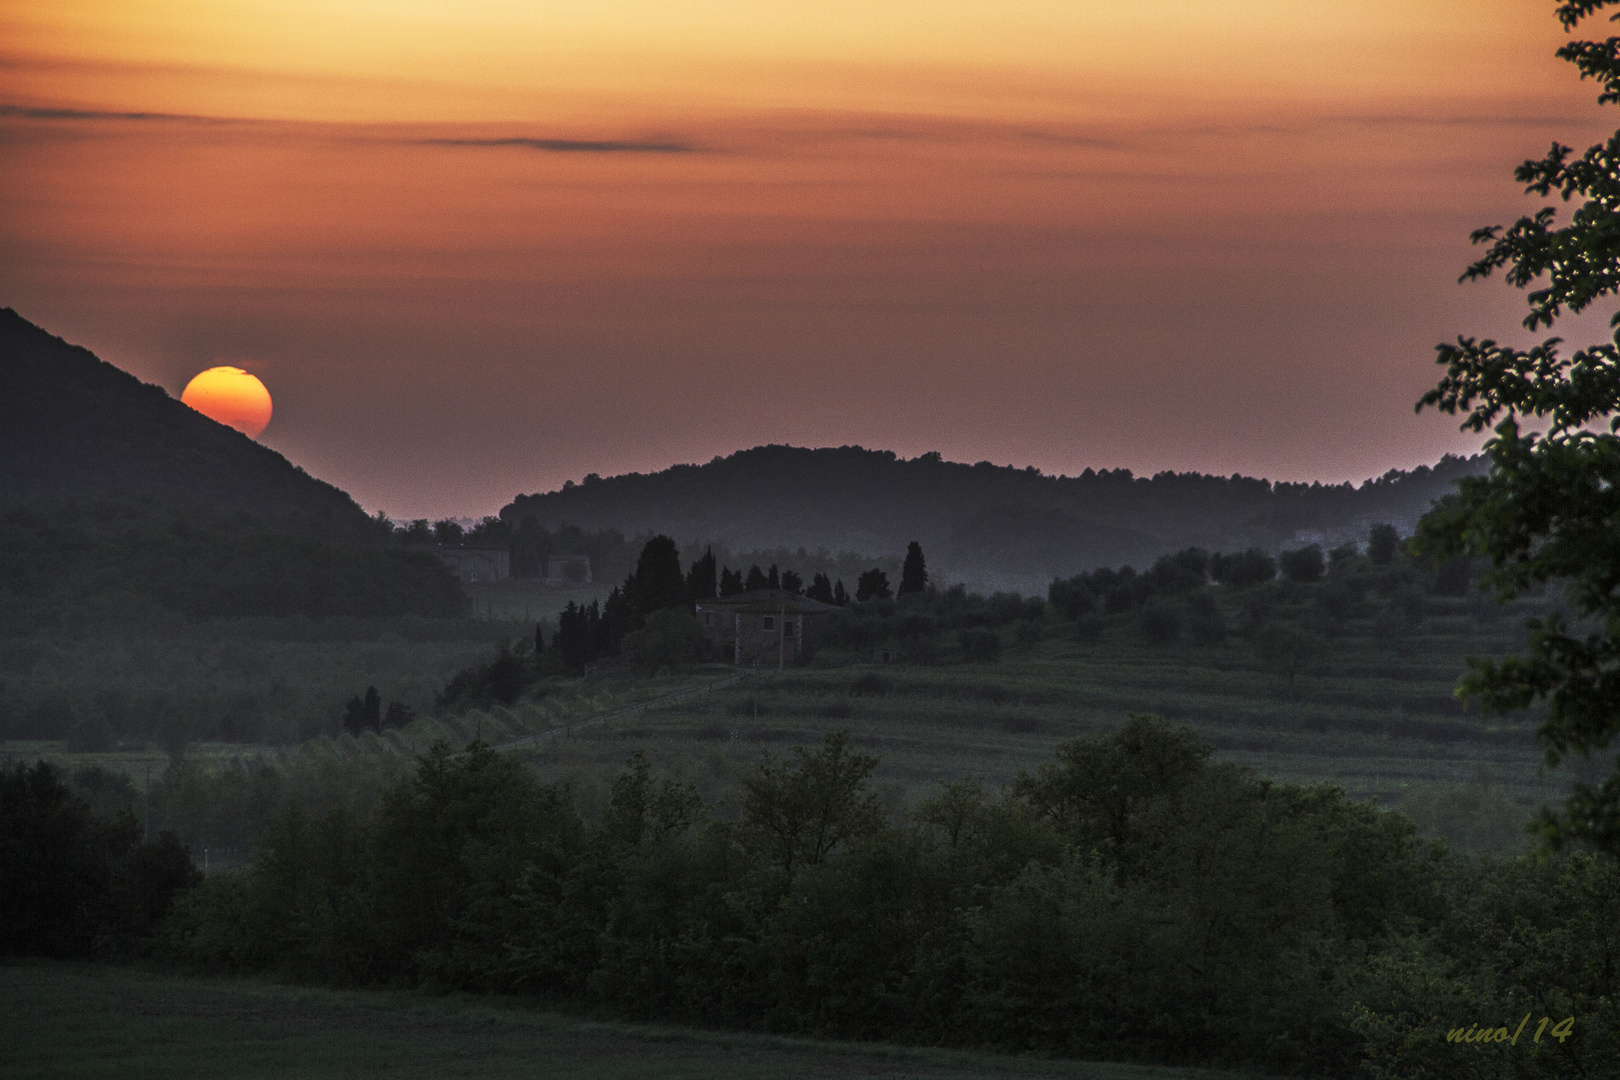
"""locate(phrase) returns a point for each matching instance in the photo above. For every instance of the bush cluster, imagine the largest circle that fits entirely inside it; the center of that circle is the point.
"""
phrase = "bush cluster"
(1129, 899)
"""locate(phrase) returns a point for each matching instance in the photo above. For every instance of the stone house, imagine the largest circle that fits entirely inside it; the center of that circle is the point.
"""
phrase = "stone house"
(765, 626)
(473, 563)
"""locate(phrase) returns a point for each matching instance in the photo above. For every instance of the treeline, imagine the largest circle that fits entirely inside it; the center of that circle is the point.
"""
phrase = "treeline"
(82, 566)
(1130, 899)
(987, 523)
(73, 883)
(649, 616)
(531, 546)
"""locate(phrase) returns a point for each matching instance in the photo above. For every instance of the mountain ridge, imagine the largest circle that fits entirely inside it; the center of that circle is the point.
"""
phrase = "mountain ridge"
(1000, 526)
(74, 426)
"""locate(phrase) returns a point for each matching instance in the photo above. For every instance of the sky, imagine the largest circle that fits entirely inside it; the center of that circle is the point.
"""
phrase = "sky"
(481, 248)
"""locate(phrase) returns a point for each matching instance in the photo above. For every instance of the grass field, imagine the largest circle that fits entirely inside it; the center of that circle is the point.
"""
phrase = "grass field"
(87, 1022)
(1372, 710)
(1373, 713)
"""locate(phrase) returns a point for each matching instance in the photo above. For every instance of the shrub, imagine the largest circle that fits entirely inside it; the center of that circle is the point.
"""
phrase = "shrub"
(979, 644)
(1382, 544)
(872, 682)
(1160, 623)
(1204, 621)
(1243, 569)
(1303, 565)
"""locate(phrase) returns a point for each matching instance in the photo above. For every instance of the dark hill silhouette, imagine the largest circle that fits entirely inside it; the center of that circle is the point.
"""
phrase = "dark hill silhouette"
(119, 504)
(73, 426)
(985, 524)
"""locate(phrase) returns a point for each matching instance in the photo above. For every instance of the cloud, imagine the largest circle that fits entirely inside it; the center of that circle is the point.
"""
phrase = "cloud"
(27, 112)
(571, 146)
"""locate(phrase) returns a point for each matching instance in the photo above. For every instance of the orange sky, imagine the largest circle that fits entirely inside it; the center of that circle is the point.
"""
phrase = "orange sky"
(479, 248)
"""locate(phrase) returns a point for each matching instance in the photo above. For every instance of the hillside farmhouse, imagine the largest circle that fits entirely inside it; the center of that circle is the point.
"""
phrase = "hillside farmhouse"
(472, 563)
(564, 570)
(765, 626)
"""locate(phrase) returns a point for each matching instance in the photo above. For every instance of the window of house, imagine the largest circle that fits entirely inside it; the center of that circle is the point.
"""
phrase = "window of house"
(708, 618)
(770, 622)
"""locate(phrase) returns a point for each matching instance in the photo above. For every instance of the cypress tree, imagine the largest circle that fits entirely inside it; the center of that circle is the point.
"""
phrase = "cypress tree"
(700, 580)
(657, 582)
(914, 574)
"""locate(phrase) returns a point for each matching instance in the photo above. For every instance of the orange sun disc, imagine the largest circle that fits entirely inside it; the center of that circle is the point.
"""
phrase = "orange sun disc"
(231, 396)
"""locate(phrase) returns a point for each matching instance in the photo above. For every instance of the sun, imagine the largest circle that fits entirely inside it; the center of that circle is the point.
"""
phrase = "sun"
(231, 396)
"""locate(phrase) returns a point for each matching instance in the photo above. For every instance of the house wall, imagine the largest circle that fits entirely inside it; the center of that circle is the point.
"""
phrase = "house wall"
(761, 635)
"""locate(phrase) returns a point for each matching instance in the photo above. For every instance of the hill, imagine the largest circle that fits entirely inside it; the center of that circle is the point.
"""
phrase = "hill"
(119, 503)
(988, 525)
(72, 426)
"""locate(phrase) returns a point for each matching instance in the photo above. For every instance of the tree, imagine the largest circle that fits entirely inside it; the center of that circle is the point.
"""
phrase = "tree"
(1547, 508)
(574, 640)
(1160, 623)
(1382, 543)
(820, 589)
(792, 582)
(1303, 565)
(914, 574)
(362, 715)
(872, 585)
(1098, 782)
(1243, 568)
(731, 582)
(658, 582)
(840, 596)
(700, 580)
(803, 812)
(979, 643)
(1286, 650)
(73, 884)
(756, 579)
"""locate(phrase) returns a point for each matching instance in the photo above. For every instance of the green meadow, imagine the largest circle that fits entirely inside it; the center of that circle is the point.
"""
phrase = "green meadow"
(90, 1021)
(1368, 705)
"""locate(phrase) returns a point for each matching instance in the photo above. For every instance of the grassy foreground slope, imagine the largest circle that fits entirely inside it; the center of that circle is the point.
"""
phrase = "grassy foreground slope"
(83, 1021)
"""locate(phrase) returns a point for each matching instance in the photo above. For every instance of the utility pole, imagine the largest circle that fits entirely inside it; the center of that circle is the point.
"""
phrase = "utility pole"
(148, 834)
(781, 636)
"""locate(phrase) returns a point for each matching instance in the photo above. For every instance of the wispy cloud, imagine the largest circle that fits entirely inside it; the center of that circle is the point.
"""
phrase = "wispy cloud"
(571, 146)
(29, 112)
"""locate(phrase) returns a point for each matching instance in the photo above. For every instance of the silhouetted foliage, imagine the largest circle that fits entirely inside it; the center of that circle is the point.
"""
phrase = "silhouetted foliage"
(731, 582)
(873, 585)
(979, 643)
(1243, 569)
(914, 574)
(756, 579)
(1545, 511)
(1382, 543)
(363, 714)
(1159, 622)
(821, 589)
(1303, 565)
(1006, 524)
(71, 883)
(1131, 898)
(657, 582)
(701, 583)
(801, 813)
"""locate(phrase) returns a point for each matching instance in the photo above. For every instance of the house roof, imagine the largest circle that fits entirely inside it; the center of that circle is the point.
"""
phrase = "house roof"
(767, 602)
